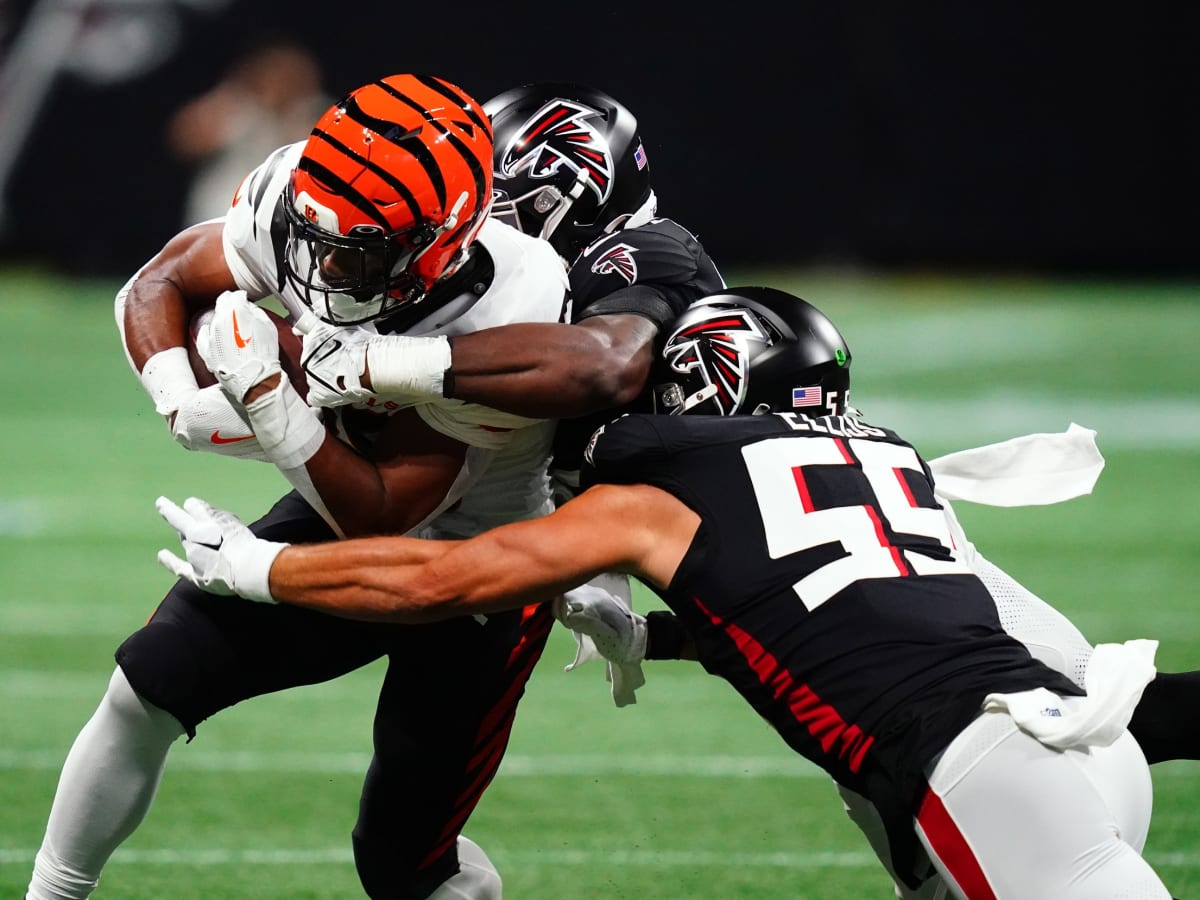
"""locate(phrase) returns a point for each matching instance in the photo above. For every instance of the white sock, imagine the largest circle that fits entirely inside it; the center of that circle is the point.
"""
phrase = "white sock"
(477, 878)
(105, 790)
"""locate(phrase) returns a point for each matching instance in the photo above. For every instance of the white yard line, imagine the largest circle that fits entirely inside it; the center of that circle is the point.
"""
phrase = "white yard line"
(515, 765)
(783, 859)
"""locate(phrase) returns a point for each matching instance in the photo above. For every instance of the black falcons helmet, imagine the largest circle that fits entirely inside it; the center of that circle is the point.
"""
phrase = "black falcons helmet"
(568, 163)
(749, 351)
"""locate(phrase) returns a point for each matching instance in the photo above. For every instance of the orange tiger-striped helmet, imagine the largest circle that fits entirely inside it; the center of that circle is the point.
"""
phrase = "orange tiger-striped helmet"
(393, 185)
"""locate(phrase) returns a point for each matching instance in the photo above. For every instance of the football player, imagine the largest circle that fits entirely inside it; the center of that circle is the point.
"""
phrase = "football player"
(810, 562)
(377, 222)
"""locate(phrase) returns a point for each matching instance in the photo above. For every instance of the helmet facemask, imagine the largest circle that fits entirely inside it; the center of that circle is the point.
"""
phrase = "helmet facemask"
(355, 278)
(540, 210)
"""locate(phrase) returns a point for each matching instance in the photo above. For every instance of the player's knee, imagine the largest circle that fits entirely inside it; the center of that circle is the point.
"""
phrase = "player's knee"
(161, 666)
(125, 703)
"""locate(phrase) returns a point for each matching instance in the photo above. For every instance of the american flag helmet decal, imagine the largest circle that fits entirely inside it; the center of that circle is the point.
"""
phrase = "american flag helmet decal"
(806, 396)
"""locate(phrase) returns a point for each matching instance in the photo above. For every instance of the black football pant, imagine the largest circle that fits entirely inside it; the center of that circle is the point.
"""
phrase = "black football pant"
(442, 721)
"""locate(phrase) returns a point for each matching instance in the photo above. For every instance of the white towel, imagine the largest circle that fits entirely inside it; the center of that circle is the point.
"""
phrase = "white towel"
(1116, 677)
(1031, 470)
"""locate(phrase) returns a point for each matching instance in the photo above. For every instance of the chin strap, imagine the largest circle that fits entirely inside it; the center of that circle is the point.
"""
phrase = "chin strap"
(705, 393)
(564, 205)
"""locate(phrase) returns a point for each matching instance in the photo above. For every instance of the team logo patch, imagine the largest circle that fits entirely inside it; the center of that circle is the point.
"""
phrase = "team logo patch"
(619, 260)
(559, 135)
(718, 347)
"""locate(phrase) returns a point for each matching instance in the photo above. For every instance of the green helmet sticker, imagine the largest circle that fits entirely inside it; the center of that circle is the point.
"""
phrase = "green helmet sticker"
(840, 355)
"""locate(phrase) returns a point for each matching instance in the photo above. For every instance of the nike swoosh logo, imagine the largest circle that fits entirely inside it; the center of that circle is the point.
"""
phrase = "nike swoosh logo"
(237, 335)
(218, 439)
(319, 357)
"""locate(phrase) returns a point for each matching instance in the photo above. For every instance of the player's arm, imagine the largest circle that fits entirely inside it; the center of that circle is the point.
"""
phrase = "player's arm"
(551, 370)
(186, 275)
(409, 476)
(153, 310)
(636, 529)
(537, 370)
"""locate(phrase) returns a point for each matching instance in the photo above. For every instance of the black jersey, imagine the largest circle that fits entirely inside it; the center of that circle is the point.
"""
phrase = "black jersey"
(656, 271)
(821, 584)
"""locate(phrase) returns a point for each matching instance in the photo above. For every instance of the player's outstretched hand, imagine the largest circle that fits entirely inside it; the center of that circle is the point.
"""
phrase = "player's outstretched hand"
(334, 360)
(618, 632)
(222, 555)
(240, 344)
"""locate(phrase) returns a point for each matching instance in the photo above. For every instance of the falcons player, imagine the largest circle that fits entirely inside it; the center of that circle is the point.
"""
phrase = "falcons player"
(810, 560)
(377, 222)
(570, 167)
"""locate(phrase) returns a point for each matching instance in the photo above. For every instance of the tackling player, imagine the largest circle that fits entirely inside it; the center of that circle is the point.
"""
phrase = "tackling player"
(806, 554)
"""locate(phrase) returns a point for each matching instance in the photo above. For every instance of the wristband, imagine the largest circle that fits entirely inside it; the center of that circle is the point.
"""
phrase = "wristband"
(408, 366)
(168, 379)
(254, 579)
(288, 429)
(665, 635)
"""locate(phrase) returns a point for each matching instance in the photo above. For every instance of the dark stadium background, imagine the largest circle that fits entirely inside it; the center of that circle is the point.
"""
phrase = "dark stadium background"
(1051, 137)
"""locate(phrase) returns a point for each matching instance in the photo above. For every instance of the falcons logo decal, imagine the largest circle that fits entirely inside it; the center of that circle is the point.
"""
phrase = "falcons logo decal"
(618, 259)
(559, 135)
(718, 347)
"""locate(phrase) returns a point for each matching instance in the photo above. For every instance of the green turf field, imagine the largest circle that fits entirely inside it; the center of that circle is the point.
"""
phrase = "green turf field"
(686, 794)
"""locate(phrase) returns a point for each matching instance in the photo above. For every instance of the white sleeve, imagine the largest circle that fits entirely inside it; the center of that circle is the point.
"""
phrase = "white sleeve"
(1050, 636)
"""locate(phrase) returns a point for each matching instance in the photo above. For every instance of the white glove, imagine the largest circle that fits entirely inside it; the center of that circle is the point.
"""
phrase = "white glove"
(223, 555)
(618, 633)
(209, 422)
(404, 370)
(240, 344)
(606, 627)
(335, 359)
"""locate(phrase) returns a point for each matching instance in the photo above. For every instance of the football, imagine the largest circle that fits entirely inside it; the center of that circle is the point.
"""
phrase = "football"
(290, 347)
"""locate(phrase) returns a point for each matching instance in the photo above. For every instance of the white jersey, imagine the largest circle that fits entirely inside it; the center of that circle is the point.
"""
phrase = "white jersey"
(505, 475)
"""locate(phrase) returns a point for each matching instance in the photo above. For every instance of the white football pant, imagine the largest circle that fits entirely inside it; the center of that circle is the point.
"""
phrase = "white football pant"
(1009, 818)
